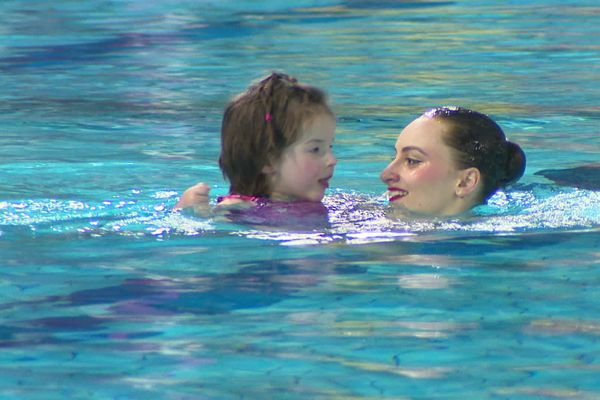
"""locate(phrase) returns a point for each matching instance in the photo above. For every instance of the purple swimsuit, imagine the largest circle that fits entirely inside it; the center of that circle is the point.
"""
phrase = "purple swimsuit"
(295, 214)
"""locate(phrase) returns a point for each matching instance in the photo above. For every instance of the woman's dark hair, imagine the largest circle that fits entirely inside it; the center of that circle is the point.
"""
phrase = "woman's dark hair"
(259, 124)
(479, 142)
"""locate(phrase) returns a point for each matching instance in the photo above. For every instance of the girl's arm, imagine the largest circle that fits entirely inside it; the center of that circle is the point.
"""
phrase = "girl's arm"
(196, 197)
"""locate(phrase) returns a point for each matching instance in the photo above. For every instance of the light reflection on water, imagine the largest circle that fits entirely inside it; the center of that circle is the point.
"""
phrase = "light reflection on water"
(109, 109)
(353, 218)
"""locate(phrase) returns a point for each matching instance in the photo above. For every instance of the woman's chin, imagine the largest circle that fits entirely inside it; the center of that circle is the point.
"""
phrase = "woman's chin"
(400, 206)
(401, 210)
(398, 210)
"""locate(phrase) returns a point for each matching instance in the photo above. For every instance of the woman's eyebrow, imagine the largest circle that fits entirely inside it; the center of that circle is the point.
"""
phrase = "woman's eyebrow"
(406, 149)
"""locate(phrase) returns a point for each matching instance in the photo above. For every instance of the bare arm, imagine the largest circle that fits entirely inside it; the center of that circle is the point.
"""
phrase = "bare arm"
(196, 197)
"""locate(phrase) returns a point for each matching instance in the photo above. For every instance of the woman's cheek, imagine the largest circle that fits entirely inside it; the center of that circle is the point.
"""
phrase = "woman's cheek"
(429, 173)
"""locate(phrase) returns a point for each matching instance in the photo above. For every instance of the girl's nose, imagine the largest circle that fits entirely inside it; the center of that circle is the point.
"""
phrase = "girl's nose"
(332, 160)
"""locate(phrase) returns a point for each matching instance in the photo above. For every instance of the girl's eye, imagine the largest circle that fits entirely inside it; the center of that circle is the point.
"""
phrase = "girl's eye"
(315, 149)
(412, 161)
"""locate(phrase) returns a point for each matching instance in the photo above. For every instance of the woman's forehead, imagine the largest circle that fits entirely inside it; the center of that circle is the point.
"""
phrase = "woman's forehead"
(423, 131)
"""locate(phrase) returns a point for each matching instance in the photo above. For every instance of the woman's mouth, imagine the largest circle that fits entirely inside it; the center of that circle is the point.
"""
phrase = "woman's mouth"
(395, 194)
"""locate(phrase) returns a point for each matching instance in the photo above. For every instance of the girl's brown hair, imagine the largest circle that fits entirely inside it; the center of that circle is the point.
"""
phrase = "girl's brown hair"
(259, 124)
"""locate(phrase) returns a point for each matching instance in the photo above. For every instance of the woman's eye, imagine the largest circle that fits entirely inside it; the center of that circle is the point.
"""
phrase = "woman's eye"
(315, 149)
(412, 161)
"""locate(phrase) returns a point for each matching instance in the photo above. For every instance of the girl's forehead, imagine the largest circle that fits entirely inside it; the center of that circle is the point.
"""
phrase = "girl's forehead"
(319, 118)
(319, 125)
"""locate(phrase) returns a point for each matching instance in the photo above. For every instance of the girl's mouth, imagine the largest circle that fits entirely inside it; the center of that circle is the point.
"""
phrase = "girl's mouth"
(324, 182)
(396, 194)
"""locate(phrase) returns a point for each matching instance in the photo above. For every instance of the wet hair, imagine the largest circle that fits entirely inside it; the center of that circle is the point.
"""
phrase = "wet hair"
(479, 142)
(259, 124)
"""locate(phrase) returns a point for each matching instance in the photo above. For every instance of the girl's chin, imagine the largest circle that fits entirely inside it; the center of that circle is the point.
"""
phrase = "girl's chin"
(317, 196)
(315, 199)
(309, 199)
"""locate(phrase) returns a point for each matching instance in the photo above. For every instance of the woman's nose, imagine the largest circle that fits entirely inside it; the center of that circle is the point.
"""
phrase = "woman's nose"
(388, 175)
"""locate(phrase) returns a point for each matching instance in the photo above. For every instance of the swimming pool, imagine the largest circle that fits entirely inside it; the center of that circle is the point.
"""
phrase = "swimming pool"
(111, 109)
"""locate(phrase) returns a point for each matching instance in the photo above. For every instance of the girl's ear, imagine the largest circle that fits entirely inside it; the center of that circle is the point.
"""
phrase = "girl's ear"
(268, 169)
(270, 166)
(469, 182)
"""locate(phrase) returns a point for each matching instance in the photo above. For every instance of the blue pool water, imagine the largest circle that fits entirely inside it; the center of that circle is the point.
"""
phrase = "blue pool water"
(108, 110)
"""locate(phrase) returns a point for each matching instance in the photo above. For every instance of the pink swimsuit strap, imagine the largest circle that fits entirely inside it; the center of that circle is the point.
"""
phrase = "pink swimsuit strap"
(239, 197)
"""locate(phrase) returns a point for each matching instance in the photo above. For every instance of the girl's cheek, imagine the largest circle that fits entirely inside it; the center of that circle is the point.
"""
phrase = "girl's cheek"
(308, 166)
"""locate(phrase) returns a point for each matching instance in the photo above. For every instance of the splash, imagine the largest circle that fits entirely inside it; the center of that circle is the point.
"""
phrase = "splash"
(352, 218)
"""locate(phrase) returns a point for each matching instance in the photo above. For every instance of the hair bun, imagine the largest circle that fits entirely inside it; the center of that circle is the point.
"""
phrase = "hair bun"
(515, 163)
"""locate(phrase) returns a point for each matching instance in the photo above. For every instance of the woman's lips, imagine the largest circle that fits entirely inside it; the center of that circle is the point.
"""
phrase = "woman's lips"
(324, 182)
(396, 194)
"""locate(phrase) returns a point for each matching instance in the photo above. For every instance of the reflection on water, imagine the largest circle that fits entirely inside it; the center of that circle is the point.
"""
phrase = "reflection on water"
(349, 217)
(108, 110)
(582, 177)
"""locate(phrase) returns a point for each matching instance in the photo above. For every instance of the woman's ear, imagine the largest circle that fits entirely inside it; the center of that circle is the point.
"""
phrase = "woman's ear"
(469, 182)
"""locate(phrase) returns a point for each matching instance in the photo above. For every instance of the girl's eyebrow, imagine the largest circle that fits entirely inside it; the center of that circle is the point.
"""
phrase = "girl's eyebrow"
(315, 140)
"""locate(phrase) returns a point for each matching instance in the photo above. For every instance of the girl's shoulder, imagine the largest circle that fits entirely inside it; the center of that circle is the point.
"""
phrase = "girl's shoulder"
(239, 201)
(238, 198)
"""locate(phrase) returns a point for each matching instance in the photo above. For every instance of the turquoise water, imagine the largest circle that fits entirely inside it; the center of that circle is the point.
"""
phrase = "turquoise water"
(110, 109)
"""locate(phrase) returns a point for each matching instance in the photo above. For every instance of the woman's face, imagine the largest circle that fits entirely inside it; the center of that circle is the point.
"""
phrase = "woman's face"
(423, 177)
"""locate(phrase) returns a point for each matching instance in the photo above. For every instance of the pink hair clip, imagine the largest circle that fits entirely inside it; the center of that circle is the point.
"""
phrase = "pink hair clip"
(268, 117)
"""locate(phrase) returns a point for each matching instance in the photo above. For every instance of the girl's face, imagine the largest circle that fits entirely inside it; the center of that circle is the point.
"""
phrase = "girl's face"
(423, 178)
(305, 167)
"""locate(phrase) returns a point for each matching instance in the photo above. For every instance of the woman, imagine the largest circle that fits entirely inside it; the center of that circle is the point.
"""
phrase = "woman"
(449, 160)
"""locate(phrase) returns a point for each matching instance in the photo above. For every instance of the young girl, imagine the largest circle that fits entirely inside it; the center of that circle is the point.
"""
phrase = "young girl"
(449, 160)
(276, 146)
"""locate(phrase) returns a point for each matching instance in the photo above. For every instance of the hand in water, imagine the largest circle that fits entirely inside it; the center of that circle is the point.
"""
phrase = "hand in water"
(196, 197)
